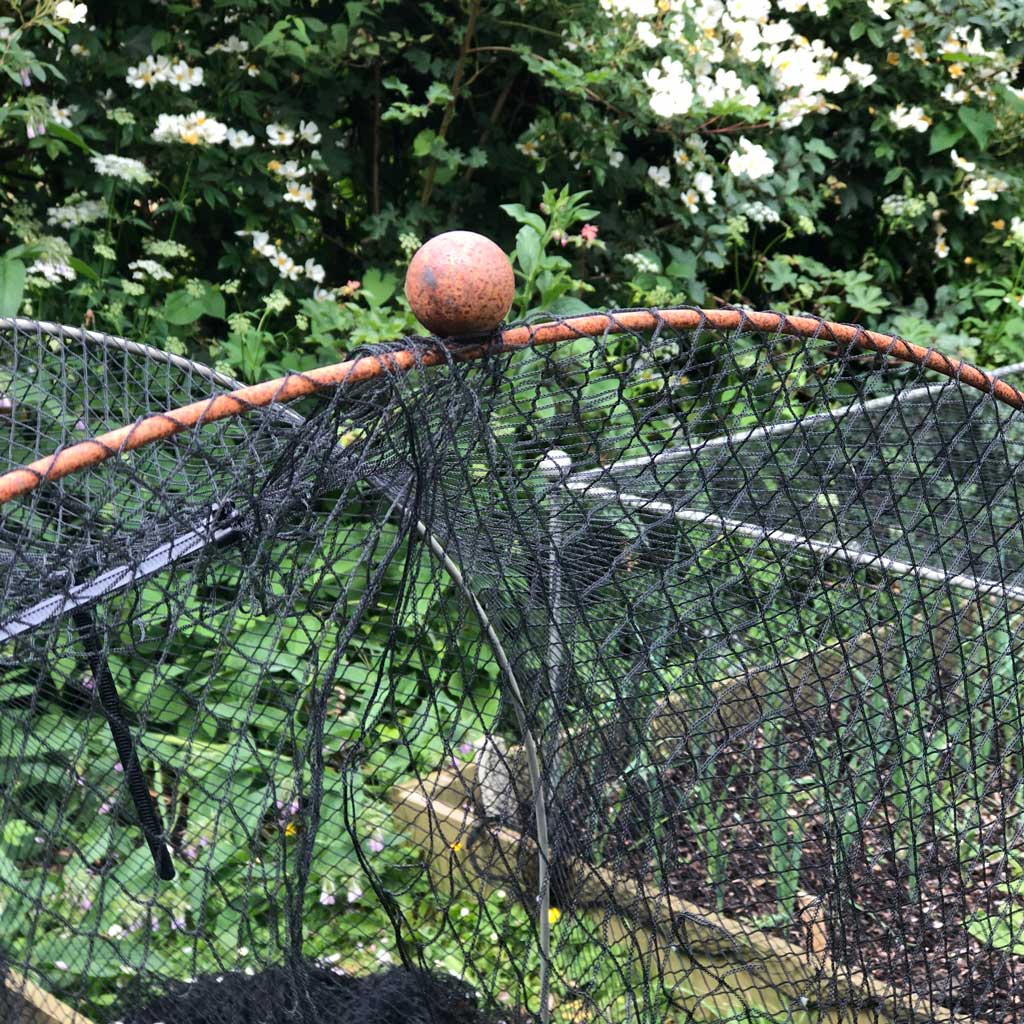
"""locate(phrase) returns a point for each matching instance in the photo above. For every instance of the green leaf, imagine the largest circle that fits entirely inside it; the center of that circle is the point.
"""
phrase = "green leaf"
(182, 308)
(528, 250)
(60, 132)
(520, 213)
(1002, 929)
(944, 136)
(857, 29)
(424, 142)
(82, 268)
(980, 123)
(439, 93)
(213, 303)
(568, 305)
(12, 286)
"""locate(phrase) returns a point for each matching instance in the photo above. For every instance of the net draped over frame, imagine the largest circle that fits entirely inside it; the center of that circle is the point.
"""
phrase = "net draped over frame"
(659, 676)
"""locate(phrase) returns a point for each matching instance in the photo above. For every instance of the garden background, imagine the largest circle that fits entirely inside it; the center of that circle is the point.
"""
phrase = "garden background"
(244, 183)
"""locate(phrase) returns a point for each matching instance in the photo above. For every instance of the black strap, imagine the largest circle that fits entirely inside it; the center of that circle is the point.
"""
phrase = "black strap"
(145, 806)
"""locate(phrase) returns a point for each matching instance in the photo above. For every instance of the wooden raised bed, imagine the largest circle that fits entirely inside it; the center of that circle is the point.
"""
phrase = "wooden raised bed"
(22, 1002)
(714, 965)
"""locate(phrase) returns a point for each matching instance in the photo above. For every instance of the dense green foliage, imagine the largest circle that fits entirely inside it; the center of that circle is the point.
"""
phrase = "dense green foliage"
(856, 159)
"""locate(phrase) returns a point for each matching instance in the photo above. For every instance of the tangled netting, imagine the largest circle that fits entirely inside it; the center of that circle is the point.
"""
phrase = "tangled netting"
(662, 675)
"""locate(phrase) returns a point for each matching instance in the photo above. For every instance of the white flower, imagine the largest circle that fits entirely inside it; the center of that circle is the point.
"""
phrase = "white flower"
(314, 271)
(192, 129)
(295, 192)
(749, 160)
(909, 117)
(960, 162)
(72, 13)
(309, 132)
(759, 213)
(62, 115)
(53, 270)
(85, 212)
(184, 77)
(690, 200)
(323, 294)
(149, 72)
(354, 892)
(647, 35)
(142, 269)
(285, 265)
(280, 134)
(969, 202)
(1017, 229)
(671, 93)
(661, 176)
(951, 94)
(615, 158)
(230, 45)
(238, 138)
(863, 74)
(705, 185)
(123, 167)
(726, 86)
(941, 248)
(880, 8)
(288, 169)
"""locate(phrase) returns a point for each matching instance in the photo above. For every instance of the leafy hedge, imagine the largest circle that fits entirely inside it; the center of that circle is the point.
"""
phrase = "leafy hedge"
(246, 180)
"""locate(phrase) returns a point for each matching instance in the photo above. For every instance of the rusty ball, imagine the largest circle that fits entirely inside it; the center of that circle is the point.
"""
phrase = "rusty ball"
(459, 283)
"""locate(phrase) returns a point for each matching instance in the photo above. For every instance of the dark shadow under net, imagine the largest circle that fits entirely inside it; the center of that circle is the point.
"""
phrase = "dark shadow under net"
(759, 614)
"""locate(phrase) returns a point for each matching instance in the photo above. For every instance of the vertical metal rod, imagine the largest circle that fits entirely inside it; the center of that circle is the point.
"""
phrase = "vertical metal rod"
(554, 469)
(520, 709)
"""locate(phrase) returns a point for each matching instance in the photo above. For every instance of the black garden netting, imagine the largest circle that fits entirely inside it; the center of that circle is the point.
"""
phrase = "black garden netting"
(661, 675)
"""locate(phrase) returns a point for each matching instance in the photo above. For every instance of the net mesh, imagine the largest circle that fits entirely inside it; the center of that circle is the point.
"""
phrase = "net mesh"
(661, 675)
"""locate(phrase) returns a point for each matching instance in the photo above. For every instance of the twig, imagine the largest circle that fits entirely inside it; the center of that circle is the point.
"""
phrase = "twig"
(449, 113)
(499, 106)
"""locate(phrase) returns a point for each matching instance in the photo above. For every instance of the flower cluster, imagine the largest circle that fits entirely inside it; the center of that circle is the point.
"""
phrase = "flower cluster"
(157, 69)
(193, 129)
(280, 260)
(124, 167)
(77, 211)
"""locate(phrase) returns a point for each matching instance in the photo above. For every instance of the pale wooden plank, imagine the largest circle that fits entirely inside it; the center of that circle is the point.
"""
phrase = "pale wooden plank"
(22, 1002)
(748, 959)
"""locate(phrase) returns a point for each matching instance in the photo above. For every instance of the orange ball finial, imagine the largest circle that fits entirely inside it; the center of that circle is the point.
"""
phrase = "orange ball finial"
(459, 283)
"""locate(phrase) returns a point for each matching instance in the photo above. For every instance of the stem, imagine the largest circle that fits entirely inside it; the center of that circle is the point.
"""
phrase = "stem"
(181, 200)
(449, 113)
(375, 170)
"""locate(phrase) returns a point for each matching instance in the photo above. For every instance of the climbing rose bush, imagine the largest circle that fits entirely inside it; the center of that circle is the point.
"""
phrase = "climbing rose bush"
(246, 183)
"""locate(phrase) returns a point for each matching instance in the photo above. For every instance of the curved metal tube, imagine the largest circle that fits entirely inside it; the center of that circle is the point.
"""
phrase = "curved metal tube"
(159, 426)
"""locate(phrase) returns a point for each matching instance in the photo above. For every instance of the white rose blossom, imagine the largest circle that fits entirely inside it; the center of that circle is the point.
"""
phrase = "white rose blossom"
(280, 134)
(238, 138)
(903, 117)
(309, 132)
(296, 192)
(62, 115)
(661, 176)
(70, 12)
(751, 161)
